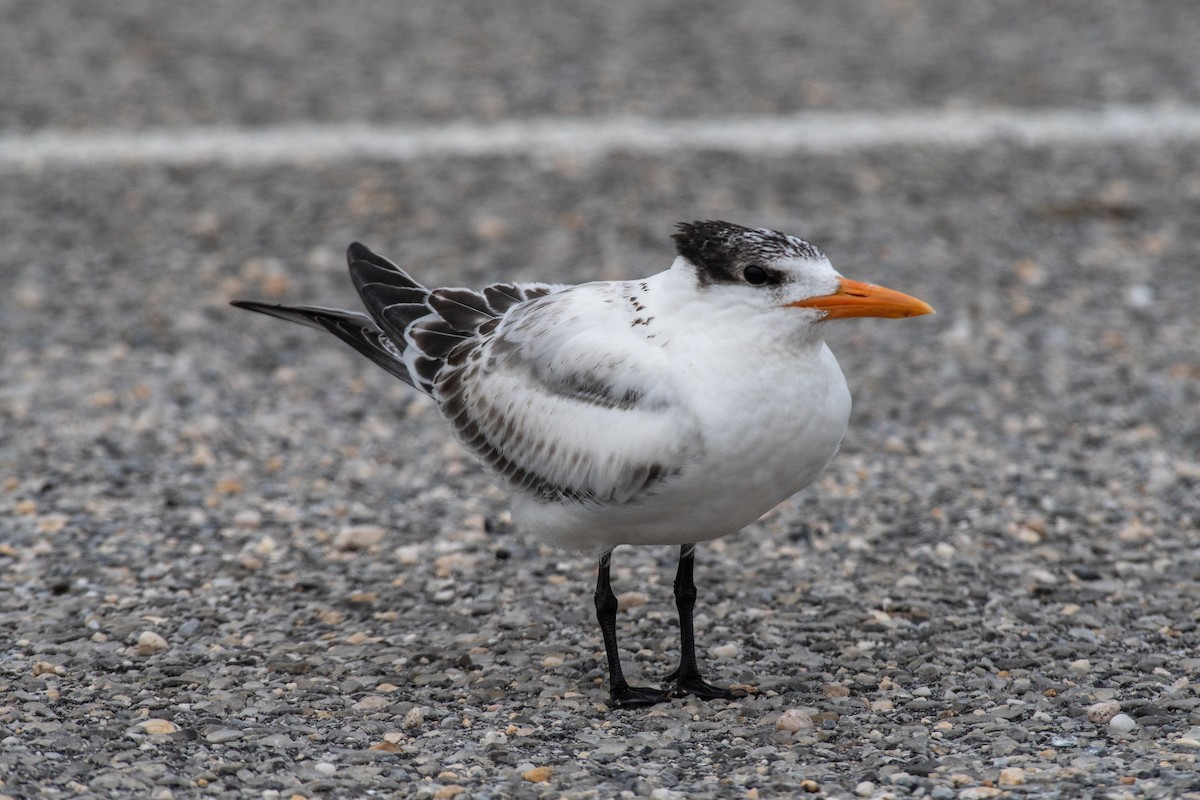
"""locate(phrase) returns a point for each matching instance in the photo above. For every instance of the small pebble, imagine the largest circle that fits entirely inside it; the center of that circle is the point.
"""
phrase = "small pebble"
(158, 726)
(1103, 711)
(944, 550)
(729, 650)
(1011, 776)
(372, 702)
(627, 600)
(222, 735)
(537, 774)
(324, 768)
(149, 642)
(864, 789)
(247, 518)
(793, 720)
(409, 555)
(980, 793)
(275, 740)
(493, 739)
(1121, 724)
(359, 537)
(1139, 296)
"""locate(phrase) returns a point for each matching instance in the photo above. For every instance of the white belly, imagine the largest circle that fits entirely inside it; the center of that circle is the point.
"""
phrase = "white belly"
(767, 433)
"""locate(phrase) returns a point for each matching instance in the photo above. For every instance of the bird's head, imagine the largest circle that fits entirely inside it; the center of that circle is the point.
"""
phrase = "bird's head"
(773, 270)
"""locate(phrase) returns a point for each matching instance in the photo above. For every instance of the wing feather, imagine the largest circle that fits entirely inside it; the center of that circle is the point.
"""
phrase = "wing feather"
(566, 403)
(464, 309)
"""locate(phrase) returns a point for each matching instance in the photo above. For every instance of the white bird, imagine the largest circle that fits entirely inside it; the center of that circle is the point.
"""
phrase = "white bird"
(674, 409)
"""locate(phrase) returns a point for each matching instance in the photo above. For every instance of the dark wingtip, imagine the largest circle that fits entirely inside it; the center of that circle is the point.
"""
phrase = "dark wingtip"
(254, 305)
(358, 251)
(276, 310)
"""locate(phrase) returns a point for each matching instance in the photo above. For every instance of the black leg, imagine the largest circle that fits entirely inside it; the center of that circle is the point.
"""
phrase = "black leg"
(687, 675)
(622, 694)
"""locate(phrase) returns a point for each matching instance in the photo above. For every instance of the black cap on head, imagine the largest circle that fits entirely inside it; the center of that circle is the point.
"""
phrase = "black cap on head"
(721, 251)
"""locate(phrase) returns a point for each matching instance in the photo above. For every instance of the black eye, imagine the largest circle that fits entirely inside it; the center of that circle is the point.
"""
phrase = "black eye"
(754, 274)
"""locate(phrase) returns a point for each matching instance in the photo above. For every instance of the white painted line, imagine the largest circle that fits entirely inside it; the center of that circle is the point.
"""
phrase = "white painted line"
(814, 132)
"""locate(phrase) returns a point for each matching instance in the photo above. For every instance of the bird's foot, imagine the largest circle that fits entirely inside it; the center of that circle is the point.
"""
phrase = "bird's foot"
(636, 696)
(691, 683)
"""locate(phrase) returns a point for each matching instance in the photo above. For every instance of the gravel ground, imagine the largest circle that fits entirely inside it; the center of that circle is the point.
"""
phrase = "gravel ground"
(79, 64)
(236, 560)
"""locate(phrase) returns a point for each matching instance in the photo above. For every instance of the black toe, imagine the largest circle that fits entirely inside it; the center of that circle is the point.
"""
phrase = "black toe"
(637, 697)
(693, 684)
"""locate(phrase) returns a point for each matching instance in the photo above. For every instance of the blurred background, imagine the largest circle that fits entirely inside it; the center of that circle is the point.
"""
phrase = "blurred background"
(1037, 438)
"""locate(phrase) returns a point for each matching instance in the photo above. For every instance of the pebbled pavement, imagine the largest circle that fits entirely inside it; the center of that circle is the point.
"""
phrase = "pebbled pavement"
(235, 560)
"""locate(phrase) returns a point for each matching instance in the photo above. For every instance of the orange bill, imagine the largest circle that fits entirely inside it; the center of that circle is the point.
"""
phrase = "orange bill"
(857, 299)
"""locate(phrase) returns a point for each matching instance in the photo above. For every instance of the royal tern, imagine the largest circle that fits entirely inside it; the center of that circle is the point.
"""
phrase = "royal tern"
(673, 409)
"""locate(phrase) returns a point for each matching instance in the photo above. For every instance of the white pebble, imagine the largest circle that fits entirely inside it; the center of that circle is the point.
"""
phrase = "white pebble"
(1101, 713)
(249, 518)
(493, 738)
(359, 537)
(1139, 296)
(158, 727)
(724, 650)
(1011, 776)
(627, 600)
(372, 703)
(1080, 667)
(324, 768)
(979, 793)
(150, 642)
(1121, 724)
(864, 789)
(413, 719)
(793, 720)
(408, 555)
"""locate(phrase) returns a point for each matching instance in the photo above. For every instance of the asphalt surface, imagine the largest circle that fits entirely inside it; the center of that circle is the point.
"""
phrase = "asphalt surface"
(238, 561)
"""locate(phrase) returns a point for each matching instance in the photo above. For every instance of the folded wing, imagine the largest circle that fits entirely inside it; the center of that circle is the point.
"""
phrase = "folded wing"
(565, 402)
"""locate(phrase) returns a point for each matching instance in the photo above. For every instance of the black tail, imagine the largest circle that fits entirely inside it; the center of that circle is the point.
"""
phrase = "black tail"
(353, 328)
